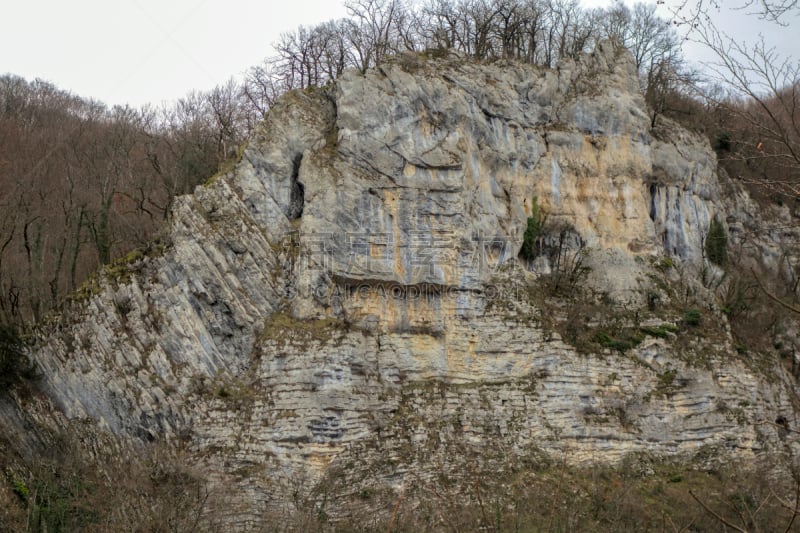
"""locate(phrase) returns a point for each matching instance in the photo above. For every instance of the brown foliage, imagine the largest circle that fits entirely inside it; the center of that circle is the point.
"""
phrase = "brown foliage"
(82, 184)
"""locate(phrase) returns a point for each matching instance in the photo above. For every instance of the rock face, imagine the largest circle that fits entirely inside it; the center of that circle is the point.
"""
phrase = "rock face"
(349, 304)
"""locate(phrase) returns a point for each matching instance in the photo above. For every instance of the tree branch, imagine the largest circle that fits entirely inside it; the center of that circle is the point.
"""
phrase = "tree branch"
(772, 297)
(715, 515)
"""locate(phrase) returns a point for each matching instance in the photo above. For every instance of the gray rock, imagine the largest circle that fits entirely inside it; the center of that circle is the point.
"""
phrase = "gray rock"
(349, 294)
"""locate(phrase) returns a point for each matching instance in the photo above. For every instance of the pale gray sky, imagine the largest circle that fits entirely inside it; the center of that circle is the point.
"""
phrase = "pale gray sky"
(140, 51)
(738, 23)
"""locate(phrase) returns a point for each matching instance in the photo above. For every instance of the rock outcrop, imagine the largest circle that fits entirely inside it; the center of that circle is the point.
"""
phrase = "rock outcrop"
(349, 305)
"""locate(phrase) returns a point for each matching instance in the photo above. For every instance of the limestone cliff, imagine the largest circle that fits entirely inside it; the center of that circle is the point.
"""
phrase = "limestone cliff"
(348, 304)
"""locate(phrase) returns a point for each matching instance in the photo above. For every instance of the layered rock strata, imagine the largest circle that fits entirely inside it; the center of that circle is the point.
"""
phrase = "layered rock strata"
(350, 299)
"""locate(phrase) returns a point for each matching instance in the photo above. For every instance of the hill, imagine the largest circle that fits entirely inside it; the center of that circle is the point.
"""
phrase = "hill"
(345, 326)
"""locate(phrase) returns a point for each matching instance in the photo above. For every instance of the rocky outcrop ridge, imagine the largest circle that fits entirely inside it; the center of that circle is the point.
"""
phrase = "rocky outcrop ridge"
(349, 301)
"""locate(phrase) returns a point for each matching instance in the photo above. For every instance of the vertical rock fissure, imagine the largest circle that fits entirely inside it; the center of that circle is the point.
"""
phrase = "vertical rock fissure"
(297, 199)
(653, 194)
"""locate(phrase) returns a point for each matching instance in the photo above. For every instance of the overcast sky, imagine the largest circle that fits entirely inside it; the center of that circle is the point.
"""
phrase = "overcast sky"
(140, 51)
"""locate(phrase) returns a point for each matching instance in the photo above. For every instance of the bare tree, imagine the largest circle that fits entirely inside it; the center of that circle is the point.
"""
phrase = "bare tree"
(444, 27)
(262, 86)
(763, 97)
(694, 11)
(230, 118)
(375, 30)
(85, 183)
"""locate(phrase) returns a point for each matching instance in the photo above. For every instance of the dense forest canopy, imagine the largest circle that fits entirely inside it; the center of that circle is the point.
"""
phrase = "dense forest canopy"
(83, 184)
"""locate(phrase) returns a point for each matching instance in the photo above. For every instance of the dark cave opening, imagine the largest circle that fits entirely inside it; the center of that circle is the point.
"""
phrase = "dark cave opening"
(297, 198)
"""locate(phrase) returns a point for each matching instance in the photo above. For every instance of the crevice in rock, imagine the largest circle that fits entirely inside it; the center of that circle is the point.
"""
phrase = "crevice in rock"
(653, 209)
(297, 198)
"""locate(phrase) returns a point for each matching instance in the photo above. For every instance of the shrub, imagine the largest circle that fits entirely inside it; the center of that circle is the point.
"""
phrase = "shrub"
(662, 332)
(622, 342)
(691, 317)
(19, 488)
(717, 243)
(722, 142)
(533, 231)
(665, 264)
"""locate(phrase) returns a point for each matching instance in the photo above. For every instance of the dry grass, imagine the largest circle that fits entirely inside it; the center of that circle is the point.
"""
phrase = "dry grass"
(642, 494)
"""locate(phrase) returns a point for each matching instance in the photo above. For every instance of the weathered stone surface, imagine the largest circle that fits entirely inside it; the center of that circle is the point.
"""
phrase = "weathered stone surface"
(346, 299)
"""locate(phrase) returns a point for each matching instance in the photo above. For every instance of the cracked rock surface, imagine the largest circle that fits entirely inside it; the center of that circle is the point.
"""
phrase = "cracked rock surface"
(349, 298)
